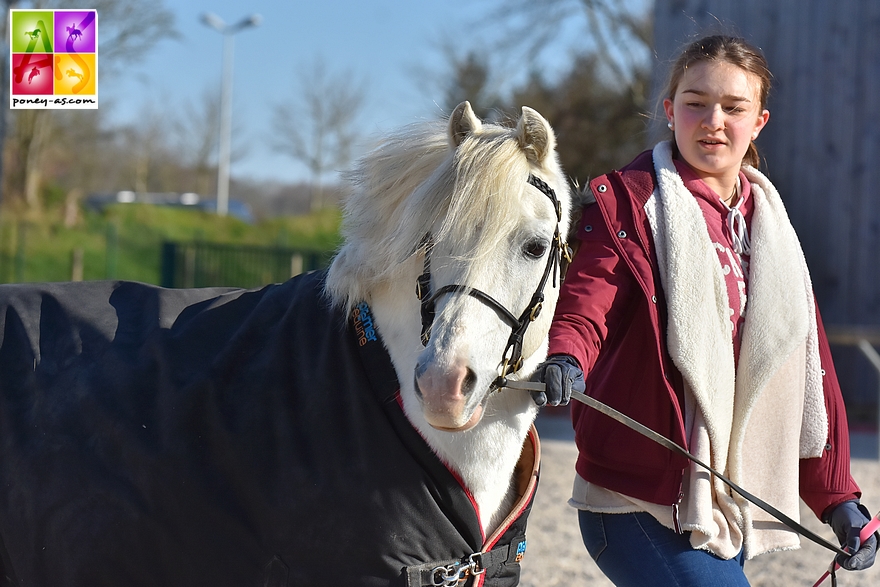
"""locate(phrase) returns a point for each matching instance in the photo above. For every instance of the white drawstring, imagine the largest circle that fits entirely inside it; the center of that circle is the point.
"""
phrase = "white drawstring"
(737, 225)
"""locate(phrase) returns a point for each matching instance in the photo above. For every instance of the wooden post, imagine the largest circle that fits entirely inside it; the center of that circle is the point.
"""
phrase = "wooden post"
(76, 264)
(112, 250)
(189, 266)
(296, 264)
(20, 254)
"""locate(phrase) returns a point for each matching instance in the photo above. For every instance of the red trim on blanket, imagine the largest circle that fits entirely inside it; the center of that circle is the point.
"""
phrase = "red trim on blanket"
(521, 504)
(452, 471)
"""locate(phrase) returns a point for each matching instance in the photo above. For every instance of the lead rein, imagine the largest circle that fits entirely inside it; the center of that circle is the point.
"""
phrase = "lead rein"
(666, 443)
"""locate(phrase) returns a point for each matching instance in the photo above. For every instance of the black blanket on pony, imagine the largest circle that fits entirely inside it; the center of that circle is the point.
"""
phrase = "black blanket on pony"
(219, 437)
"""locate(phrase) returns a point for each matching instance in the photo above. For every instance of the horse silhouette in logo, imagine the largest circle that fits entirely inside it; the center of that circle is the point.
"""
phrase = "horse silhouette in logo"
(34, 35)
(74, 73)
(34, 73)
(73, 33)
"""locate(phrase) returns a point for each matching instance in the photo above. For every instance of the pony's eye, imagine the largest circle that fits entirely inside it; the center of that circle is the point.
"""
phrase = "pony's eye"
(535, 248)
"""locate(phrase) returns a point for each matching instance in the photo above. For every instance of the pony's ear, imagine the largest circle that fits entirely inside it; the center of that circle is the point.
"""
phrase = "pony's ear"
(535, 136)
(462, 122)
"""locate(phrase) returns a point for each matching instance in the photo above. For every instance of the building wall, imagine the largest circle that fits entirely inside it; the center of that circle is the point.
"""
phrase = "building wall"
(822, 145)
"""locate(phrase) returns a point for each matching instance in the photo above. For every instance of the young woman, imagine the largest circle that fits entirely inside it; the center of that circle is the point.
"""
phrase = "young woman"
(689, 307)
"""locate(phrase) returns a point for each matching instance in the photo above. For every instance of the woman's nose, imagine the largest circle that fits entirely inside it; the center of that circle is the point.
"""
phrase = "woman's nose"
(714, 119)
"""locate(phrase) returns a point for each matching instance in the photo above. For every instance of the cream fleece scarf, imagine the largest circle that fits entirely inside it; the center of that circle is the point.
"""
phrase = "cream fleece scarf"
(754, 421)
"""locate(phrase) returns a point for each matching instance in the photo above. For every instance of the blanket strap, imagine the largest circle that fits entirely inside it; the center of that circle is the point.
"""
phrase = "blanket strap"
(450, 573)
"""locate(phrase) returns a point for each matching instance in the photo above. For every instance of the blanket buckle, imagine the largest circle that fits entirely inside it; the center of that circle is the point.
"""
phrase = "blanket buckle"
(450, 575)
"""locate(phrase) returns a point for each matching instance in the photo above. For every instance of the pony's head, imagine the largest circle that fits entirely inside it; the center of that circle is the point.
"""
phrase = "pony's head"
(475, 210)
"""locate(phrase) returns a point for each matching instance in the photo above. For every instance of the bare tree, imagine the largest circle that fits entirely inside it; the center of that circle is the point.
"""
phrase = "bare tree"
(197, 136)
(470, 78)
(79, 157)
(619, 33)
(596, 100)
(147, 143)
(32, 130)
(318, 127)
(128, 28)
(599, 125)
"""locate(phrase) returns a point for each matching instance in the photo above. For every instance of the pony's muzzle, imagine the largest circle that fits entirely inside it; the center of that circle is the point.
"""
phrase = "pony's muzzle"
(447, 395)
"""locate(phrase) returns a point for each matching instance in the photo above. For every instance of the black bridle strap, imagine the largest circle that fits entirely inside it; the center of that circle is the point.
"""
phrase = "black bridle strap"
(488, 300)
(518, 325)
(512, 356)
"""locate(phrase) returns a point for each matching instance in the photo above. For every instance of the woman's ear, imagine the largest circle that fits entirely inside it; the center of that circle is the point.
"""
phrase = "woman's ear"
(763, 118)
(667, 108)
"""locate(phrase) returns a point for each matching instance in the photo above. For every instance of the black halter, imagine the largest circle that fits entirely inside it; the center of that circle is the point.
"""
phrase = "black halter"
(511, 360)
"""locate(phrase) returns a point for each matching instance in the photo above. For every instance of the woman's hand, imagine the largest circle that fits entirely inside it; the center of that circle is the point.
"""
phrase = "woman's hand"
(560, 373)
(847, 519)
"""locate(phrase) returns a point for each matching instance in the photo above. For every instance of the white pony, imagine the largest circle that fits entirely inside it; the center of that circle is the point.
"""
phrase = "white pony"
(492, 231)
(238, 437)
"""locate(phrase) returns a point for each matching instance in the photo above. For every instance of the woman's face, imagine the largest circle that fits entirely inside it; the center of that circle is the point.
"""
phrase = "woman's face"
(715, 114)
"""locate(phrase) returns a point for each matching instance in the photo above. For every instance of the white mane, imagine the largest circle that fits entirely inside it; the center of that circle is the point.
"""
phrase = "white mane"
(409, 181)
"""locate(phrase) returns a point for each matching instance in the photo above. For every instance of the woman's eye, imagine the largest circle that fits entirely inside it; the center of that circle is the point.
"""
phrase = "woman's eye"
(535, 248)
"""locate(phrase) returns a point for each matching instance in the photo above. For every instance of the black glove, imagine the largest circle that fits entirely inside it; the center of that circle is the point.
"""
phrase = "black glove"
(560, 373)
(847, 519)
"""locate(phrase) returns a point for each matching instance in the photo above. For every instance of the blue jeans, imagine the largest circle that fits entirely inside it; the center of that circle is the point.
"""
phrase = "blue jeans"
(635, 550)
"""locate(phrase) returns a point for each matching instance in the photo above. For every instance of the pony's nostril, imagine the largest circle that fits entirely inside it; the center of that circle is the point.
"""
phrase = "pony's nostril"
(416, 386)
(456, 380)
(469, 382)
(418, 373)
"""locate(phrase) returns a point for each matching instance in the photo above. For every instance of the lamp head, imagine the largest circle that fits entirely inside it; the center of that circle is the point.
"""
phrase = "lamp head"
(213, 21)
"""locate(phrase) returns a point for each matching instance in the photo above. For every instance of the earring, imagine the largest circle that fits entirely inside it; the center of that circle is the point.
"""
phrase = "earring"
(669, 124)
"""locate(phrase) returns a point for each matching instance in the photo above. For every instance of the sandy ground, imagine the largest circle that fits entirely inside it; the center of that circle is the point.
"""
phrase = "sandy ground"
(557, 557)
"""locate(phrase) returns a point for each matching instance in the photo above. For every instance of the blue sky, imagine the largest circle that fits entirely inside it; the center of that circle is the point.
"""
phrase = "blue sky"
(382, 42)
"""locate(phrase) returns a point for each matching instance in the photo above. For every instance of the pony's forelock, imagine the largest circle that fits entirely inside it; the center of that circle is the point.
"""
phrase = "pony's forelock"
(374, 214)
(412, 179)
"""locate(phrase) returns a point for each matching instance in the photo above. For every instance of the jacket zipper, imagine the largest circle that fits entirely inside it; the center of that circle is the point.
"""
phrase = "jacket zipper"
(676, 521)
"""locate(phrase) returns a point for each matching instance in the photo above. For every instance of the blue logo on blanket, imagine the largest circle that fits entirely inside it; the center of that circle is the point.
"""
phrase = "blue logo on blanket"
(520, 551)
(363, 324)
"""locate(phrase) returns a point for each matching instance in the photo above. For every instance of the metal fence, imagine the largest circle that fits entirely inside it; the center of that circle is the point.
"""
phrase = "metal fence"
(199, 264)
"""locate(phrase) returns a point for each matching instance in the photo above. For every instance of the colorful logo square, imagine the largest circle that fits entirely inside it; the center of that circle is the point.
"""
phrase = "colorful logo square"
(73, 73)
(53, 59)
(75, 31)
(32, 74)
(32, 31)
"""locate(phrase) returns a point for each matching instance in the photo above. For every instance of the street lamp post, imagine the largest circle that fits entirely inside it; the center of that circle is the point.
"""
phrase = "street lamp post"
(217, 23)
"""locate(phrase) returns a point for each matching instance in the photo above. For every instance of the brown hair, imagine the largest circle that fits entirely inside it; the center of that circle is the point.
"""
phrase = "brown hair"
(733, 50)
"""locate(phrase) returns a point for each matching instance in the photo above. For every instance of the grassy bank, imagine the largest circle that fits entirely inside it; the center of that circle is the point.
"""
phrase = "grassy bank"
(124, 241)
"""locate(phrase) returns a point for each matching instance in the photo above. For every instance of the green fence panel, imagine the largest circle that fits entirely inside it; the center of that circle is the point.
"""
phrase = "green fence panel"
(200, 264)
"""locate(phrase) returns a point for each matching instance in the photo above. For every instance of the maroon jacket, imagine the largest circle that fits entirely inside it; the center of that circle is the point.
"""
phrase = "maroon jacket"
(611, 317)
